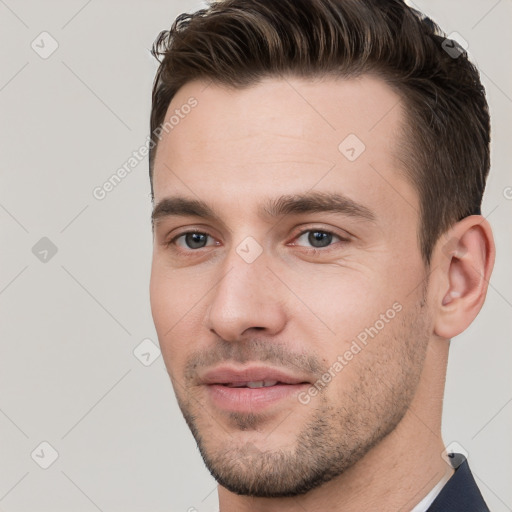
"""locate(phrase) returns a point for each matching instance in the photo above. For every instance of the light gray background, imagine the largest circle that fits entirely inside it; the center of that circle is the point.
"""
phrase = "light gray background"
(69, 326)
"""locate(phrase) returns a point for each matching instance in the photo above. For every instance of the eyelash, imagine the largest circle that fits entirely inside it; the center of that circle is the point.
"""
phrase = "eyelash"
(311, 250)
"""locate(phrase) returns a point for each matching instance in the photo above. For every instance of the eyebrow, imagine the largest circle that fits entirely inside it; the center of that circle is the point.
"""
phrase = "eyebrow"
(309, 202)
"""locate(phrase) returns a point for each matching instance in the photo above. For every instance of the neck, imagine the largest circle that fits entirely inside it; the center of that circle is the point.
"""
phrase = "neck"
(394, 475)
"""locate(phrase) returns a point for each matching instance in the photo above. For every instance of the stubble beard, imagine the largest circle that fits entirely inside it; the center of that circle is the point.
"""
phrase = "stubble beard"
(337, 434)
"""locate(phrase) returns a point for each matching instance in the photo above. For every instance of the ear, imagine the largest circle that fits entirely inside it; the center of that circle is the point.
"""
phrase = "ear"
(464, 258)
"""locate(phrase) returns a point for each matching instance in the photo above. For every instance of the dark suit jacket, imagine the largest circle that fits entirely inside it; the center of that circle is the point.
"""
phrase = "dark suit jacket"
(460, 493)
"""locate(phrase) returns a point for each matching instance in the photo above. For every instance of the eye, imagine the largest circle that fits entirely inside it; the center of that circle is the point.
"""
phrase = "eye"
(191, 240)
(318, 238)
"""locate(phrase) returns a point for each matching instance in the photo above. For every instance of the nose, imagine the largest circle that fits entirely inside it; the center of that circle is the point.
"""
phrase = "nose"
(246, 300)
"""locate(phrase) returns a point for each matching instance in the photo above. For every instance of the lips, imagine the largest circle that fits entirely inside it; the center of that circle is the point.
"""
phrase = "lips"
(253, 377)
(251, 389)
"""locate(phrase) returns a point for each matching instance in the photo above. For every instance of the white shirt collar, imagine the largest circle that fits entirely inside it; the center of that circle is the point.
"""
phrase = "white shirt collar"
(425, 503)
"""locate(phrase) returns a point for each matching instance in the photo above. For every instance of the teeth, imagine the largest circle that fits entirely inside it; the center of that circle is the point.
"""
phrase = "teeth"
(261, 384)
(253, 384)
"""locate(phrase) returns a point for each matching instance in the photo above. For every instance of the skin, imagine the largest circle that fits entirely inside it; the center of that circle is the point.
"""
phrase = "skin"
(371, 439)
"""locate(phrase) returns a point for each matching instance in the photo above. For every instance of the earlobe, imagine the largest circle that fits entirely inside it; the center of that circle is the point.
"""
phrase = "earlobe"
(466, 263)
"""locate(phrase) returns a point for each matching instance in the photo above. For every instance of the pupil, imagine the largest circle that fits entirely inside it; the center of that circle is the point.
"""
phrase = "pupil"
(195, 240)
(319, 236)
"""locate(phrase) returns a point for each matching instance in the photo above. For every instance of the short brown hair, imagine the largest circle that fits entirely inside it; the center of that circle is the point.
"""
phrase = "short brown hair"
(445, 143)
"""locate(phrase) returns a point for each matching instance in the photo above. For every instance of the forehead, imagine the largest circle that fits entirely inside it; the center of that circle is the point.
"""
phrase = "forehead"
(284, 134)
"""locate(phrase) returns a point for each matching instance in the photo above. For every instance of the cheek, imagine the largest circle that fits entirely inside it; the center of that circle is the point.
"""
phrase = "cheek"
(340, 302)
(173, 294)
(167, 309)
(177, 303)
(162, 303)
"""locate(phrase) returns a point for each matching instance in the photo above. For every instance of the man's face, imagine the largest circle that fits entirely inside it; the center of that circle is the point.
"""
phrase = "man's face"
(325, 307)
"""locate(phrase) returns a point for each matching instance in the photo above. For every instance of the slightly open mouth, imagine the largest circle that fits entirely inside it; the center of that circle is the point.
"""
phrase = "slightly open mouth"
(251, 395)
(257, 384)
